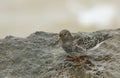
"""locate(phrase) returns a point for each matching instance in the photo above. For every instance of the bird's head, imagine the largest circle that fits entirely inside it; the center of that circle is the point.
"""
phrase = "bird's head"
(64, 35)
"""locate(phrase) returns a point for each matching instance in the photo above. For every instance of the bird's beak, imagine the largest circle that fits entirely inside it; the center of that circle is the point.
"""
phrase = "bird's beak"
(58, 39)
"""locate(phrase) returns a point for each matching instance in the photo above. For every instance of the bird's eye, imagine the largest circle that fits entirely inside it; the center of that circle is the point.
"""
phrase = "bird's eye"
(64, 34)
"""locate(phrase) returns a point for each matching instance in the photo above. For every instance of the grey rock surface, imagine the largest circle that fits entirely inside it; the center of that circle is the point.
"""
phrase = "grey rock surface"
(38, 56)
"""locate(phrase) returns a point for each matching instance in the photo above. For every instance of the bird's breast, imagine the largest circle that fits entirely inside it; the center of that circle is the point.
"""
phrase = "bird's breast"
(67, 47)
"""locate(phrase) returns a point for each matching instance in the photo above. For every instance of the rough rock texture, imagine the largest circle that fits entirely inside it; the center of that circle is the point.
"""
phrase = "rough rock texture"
(37, 56)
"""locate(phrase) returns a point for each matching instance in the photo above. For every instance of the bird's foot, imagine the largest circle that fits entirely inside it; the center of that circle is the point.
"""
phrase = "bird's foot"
(72, 58)
(78, 64)
(81, 63)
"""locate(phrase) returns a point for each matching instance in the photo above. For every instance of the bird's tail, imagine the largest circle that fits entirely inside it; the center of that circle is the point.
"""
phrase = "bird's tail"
(102, 37)
(107, 36)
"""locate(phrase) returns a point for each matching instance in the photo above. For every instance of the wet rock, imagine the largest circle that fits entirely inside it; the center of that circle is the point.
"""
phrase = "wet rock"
(38, 56)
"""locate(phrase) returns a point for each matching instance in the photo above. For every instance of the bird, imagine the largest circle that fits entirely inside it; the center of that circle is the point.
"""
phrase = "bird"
(79, 44)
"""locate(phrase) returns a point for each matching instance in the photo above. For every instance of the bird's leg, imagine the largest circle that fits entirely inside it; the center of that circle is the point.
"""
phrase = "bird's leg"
(83, 62)
(73, 58)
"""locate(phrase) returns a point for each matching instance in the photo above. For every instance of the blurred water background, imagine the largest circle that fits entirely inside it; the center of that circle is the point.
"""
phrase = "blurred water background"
(23, 17)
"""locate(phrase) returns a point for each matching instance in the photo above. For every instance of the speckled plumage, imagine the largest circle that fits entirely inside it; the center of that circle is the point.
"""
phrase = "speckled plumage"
(80, 43)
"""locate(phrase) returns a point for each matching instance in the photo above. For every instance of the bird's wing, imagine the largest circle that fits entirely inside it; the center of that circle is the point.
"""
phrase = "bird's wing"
(78, 48)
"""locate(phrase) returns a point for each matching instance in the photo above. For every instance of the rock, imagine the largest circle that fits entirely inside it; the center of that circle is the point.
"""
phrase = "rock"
(38, 56)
